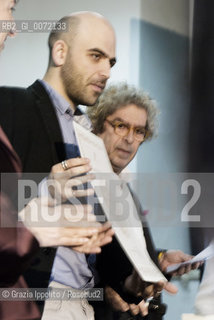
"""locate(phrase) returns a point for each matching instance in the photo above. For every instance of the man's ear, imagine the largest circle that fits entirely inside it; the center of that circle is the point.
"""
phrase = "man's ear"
(59, 53)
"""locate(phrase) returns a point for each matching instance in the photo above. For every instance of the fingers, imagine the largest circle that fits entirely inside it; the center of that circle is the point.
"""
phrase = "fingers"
(184, 269)
(72, 236)
(143, 308)
(176, 256)
(158, 287)
(66, 176)
(115, 300)
(67, 184)
(57, 236)
(134, 309)
(105, 226)
(197, 265)
(89, 246)
(96, 242)
(75, 182)
(122, 305)
(38, 213)
(72, 215)
(101, 239)
(109, 233)
(105, 234)
(69, 193)
(187, 268)
(170, 288)
(71, 242)
(87, 249)
(107, 238)
(78, 233)
(42, 202)
(72, 165)
(67, 225)
(186, 257)
(149, 291)
(76, 215)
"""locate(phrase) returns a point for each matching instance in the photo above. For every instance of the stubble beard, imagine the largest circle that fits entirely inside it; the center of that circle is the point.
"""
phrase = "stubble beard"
(74, 86)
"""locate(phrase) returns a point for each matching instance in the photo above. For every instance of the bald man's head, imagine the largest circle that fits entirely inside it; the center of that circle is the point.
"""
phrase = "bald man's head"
(68, 27)
(81, 58)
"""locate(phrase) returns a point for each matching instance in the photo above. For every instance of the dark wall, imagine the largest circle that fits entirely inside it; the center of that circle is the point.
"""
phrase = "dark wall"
(201, 133)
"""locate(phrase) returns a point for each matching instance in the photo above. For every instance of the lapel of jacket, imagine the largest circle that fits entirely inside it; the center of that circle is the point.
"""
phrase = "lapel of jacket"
(49, 119)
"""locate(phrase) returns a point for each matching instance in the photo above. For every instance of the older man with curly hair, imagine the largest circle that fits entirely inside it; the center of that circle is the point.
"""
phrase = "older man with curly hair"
(125, 117)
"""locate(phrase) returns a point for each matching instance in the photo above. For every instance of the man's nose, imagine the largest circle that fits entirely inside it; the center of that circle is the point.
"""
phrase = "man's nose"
(105, 69)
(130, 136)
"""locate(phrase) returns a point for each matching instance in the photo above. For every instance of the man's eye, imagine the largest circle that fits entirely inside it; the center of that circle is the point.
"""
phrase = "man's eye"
(96, 56)
(121, 125)
(140, 131)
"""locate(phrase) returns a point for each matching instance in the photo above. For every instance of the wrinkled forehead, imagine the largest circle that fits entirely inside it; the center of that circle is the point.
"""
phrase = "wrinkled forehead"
(131, 114)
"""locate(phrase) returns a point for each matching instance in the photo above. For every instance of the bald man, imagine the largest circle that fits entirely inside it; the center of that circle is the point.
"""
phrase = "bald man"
(39, 123)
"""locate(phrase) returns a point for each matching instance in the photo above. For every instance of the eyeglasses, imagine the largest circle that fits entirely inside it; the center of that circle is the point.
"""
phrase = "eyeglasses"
(122, 129)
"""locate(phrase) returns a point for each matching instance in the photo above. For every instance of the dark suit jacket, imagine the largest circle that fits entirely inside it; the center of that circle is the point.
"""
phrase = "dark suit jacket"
(30, 122)
(17, 245)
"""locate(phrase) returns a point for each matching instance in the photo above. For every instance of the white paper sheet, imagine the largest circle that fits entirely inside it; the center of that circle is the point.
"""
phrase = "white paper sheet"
(205, 254)
(130, 234)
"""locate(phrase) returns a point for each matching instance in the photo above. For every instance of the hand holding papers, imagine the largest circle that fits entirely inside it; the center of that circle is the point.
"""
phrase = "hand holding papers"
(203, 255)
(128, 229)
